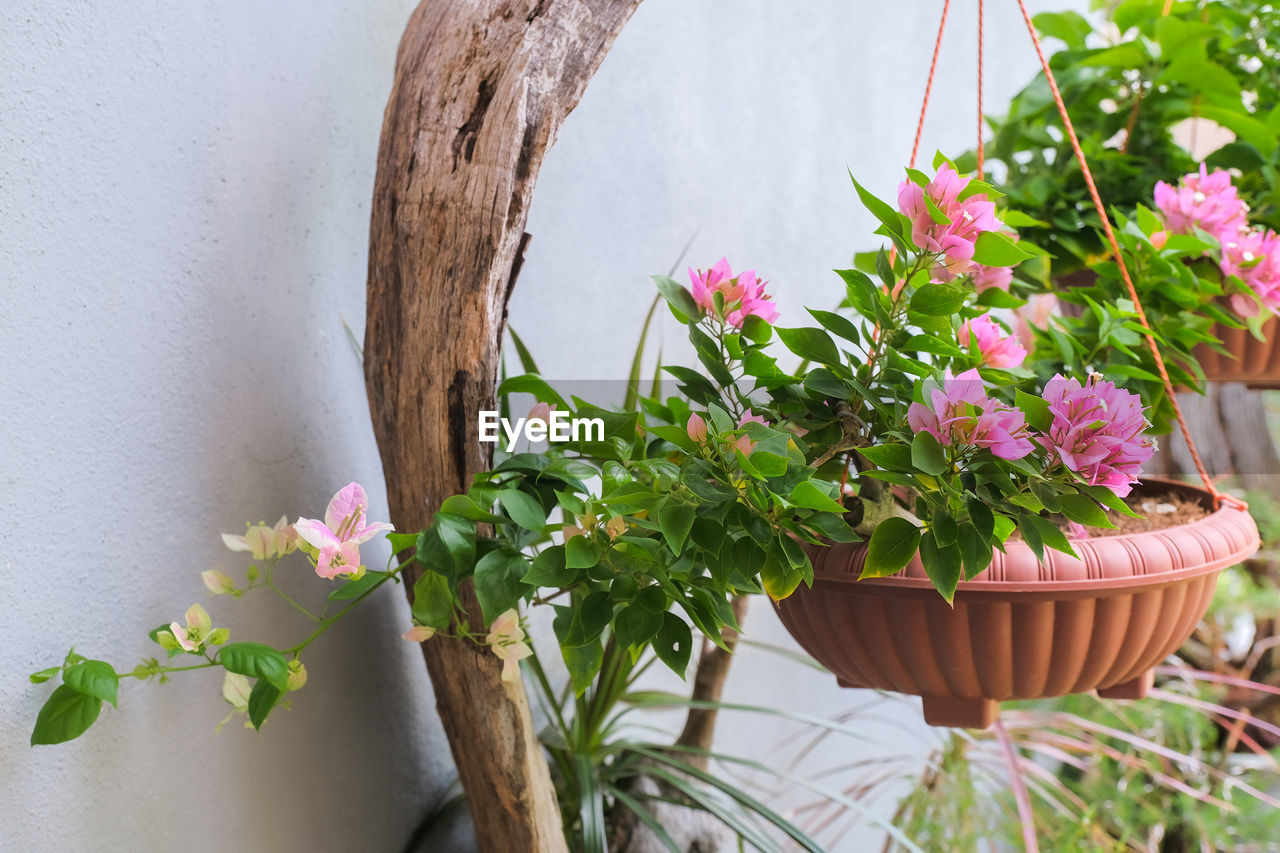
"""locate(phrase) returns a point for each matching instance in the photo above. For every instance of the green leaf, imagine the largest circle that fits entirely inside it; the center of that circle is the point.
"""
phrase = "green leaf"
(580, 553)
(932, 345)
(809, 495)
(833, 527)
(927, 455)
(530, 383)
(674, 643)
(583, 663)
(1031, 535)
(675, 520)
(653, 598)
(975, 551)
(1036, 410)
(44, 675)
(1202, 75)
(811, 344)
(980, 515)
(893, 543)
(526, 358)
(94, 678)
(889, 217)
(457, 537)
(836, 323)
(358, 587)
(678, 298)
(635, 626)
(1124, 56)
(1070, 27)
(894, 457)
(498, 582)
(778, 576)
(944, 527)
(262, 699)
(257, 661)
(756, 329)
(403, 541)
(1084, 510)
(1051, 535)
(943, 565)
(863, 294)
(524, 510)
(66, 715)
(432, 600)
(994, 249)
(464, 506)
(938, 300)
(549, 569)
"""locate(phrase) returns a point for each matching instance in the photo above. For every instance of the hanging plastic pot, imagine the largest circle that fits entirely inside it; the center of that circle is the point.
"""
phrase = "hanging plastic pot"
(1253, 362)
(1021, 629)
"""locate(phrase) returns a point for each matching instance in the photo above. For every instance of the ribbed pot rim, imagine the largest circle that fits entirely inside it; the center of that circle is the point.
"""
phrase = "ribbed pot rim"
(1223, 538)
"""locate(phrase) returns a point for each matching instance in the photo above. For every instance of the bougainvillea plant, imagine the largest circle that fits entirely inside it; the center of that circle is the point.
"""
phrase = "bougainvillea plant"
(1196, 259)
(906, 416)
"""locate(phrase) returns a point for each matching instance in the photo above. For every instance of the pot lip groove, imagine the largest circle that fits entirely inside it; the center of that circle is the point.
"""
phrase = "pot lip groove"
(1235, 537)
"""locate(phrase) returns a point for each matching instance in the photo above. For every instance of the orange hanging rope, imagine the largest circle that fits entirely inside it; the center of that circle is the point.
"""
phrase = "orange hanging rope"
(928, 86)
(981, 152)
(1218, 497)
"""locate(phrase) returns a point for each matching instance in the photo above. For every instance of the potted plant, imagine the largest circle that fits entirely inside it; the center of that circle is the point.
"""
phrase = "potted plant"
(920, 433)
(1155, 98)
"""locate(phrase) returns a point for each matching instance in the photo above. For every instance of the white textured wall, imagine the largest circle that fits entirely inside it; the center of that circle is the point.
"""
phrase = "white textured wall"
(184, 203)
(184, 193)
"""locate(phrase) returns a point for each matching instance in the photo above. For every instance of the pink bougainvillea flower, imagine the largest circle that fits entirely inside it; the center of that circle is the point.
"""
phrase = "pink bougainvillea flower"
(1253, 256)
(297, 677)
(236, 690)
(706, 283)
(507, 640)
(1034, 315)
(338, 538)
(217, 582)
(1098, 431)
(743, 443)
(998, 348)
(419, 634)
(741, 296)
(960, 414)
(954, 239)
(1205, 200)
(985, 278)
(696, 428)
(198, 628)
(263, 542)
(541, 412)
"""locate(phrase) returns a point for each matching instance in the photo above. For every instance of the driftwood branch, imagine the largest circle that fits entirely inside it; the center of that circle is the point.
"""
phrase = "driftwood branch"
(481, 89)
(708, 686)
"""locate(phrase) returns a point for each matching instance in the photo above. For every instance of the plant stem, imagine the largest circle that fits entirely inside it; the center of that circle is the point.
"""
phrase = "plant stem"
(326, 624)
(165, 670)
(304, 611)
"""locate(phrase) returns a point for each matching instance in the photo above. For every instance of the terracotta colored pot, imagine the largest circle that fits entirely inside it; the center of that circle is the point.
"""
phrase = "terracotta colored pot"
(1256, 363)
(1253, 362)
(1020, 630)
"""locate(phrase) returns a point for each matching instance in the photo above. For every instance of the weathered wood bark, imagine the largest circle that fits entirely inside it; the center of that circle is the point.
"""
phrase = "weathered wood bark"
(481, 88)
(708, 686)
